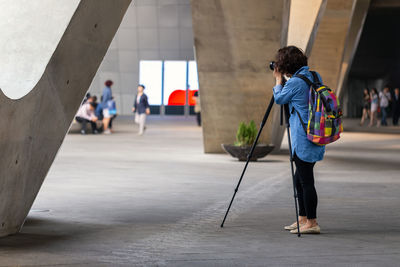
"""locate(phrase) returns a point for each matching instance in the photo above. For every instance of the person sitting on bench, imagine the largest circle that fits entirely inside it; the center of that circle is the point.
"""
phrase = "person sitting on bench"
(86, 114)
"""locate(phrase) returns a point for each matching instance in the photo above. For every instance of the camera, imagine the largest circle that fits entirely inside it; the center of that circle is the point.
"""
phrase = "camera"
(272, 65)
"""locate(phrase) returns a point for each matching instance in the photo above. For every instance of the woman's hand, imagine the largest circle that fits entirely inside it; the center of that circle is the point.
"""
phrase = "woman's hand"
(278, 77)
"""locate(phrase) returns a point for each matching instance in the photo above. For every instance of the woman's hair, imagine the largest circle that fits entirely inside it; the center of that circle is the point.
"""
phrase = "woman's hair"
(366, 90)
(374, 91)
(108, 83)
(290, 59)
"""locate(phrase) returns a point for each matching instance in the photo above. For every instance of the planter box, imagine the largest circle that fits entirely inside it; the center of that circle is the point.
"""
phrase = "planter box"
(241, 152)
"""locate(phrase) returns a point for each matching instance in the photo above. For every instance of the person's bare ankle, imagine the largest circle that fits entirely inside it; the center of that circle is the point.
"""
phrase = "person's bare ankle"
(311, 223)
(302, 220)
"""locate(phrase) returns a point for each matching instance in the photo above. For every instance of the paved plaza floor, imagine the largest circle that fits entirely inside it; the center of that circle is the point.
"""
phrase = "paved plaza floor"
(158, 200)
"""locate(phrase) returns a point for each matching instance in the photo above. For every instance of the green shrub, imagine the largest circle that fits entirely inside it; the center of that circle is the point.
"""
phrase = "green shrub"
(246, 134)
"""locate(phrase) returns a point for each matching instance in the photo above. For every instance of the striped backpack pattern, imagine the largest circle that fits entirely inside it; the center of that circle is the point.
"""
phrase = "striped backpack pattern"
(324, 113)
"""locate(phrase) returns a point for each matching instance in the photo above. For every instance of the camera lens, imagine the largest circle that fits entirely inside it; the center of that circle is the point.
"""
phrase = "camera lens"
(272, 65)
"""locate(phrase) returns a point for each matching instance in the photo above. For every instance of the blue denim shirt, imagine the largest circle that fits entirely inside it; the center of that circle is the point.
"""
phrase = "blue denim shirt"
(295, 92)
(106, 96)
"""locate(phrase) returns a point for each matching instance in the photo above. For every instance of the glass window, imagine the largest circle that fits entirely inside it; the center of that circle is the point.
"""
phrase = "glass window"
(193, 81)
(151, 77)
(175, 82)
(193, 76)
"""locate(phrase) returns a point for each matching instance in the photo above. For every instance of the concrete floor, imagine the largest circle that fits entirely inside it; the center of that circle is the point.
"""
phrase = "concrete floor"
(154, 200)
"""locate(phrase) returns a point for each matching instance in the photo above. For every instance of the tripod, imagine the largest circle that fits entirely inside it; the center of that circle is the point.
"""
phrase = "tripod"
(284, 108)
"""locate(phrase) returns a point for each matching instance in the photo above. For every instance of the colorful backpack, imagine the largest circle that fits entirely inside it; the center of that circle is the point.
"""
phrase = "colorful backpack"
(324, 113)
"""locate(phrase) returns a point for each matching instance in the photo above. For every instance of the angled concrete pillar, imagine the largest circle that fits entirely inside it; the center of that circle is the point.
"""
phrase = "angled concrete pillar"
(330, 42)
(304, 20)
(359, 14)
(34, 125)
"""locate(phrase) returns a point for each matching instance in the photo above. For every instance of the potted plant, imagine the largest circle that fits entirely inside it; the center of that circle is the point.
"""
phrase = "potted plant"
(245, 137)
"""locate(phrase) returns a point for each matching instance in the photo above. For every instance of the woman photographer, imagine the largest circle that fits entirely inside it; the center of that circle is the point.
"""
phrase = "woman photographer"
(290, 61)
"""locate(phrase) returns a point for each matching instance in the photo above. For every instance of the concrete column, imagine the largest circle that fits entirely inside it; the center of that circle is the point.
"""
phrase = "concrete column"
(234, 41)
(35, 125)
(329, 45)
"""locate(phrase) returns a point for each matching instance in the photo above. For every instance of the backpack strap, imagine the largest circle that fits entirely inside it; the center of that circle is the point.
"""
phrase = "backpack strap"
(304, 78)
(301, 120)
(316, 79)
(315, 84)
(310, 84)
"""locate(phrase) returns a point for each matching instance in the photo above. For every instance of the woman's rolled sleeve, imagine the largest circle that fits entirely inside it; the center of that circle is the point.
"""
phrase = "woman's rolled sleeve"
(283, 94)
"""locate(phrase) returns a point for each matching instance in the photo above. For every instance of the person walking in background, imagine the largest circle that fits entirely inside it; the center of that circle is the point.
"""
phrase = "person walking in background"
(86, 115)
(396, 106)
(366, 106)
(105, 97)
(197, 108)
(385, 99)
(374, 106)
(141, 108)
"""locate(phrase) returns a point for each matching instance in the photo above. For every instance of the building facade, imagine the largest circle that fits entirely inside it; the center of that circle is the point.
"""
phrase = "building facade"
(152, 30)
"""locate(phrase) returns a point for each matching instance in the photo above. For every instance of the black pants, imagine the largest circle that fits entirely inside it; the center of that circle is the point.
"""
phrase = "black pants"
(396, 114)
(307, 195)
(111, 120)
(84, 121)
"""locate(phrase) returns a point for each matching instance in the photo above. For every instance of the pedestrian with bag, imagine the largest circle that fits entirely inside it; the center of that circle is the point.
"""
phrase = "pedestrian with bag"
(141, 108)
(385, 99)
(197, 108)
(106, 96)
(374, 107)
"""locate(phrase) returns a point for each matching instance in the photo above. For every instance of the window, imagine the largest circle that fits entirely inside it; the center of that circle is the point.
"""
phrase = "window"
(151, 77)
(193, 77)
(168, 83)
(174, 81)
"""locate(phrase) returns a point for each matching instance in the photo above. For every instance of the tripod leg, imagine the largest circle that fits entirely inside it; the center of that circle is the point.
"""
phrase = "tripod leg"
(287, 115)
(271, 103)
